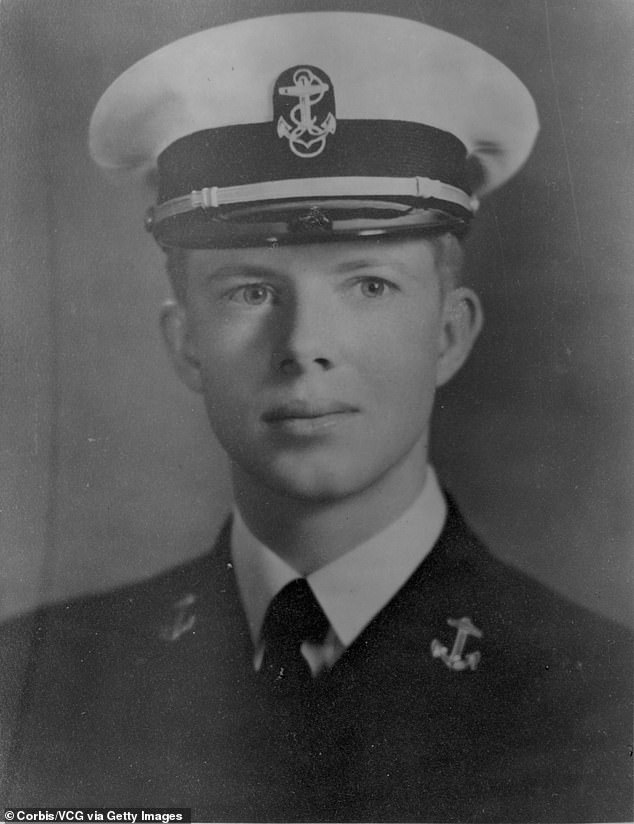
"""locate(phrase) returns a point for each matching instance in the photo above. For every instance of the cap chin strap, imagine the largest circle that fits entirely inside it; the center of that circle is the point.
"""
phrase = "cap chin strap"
(214, 197)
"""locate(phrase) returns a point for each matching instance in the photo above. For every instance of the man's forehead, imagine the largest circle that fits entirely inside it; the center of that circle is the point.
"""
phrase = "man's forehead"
(342, 256)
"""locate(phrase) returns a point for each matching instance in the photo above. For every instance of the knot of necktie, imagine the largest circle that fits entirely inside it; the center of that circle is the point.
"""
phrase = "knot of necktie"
(293, 617)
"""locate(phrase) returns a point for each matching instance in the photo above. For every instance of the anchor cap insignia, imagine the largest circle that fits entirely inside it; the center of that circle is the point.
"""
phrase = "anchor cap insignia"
(304, 109)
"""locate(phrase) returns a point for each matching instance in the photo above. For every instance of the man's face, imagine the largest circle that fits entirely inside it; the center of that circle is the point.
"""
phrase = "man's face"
(318, 363)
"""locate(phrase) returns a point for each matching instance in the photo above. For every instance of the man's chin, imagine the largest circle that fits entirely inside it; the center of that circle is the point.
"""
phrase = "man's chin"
(309, 484)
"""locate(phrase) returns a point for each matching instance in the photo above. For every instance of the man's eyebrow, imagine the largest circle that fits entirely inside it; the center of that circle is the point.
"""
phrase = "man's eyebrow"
(237, 270)
(355, 264)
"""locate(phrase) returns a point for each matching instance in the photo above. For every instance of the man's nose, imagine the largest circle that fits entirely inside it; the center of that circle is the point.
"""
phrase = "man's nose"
(306, 338)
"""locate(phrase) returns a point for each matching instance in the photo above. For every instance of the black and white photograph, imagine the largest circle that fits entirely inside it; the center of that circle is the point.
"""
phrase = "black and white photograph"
(317, 409)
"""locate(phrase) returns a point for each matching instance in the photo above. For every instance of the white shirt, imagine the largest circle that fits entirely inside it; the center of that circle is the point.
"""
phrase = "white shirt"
(352, 589)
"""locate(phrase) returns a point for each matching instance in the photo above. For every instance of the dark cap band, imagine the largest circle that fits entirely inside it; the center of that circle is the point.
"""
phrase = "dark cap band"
(239, 155)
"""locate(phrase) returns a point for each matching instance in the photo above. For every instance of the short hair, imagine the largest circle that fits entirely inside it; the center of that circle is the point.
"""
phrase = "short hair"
(176, 266)
(449, 257)
(447, 248)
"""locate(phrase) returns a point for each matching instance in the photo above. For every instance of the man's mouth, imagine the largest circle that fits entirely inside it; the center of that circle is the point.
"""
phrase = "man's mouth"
(308, 417)
(307, 409)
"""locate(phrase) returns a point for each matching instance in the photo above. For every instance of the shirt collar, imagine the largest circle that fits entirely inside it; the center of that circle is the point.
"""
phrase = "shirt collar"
(354, 588)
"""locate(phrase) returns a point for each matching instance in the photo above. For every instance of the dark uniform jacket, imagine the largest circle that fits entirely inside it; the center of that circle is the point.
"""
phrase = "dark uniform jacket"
(147, 697)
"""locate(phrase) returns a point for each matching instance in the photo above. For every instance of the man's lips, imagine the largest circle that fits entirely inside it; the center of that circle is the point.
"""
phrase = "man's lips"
(307, 410)
(300, 415)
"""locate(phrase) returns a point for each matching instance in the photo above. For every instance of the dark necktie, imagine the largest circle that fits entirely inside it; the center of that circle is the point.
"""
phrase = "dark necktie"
(293, 616)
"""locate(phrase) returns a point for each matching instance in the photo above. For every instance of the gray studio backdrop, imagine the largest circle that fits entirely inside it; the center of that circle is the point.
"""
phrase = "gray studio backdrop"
(108, 470)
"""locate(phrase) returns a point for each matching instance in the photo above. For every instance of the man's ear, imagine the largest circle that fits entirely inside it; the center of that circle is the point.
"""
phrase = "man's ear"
(461, 322)
(177, 337)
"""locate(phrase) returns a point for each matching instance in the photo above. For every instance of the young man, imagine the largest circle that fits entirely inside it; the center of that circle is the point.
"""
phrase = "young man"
(349, 650)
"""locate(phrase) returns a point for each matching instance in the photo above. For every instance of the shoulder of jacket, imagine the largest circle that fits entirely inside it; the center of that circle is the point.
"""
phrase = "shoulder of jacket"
(116, 609)
(529, 624)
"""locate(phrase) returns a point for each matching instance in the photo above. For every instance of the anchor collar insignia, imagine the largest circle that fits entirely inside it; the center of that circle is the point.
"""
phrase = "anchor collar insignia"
(356, 125)
(180, 619)
(456, 658)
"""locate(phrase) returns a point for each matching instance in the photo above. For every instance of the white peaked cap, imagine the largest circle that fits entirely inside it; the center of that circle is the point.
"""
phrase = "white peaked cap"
(394, 113)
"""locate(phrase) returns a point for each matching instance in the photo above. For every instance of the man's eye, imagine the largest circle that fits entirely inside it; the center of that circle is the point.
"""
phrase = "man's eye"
(253, 294)
(373, 287)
